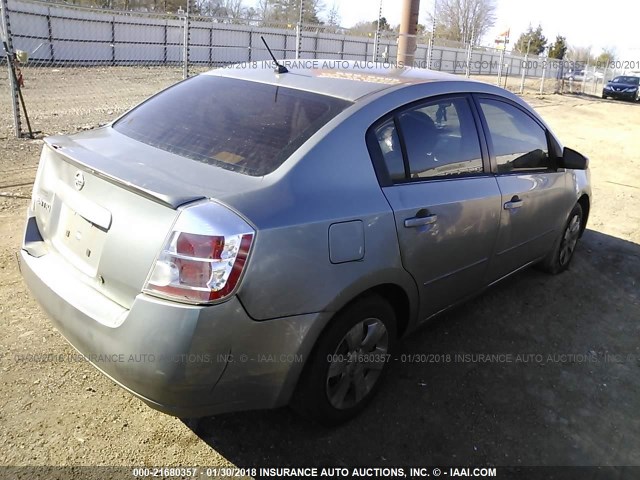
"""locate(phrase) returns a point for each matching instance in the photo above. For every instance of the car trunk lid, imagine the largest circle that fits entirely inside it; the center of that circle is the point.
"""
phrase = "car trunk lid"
(106, 209)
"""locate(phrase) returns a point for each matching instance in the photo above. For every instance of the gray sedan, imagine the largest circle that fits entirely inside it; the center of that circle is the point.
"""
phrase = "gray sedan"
(252, 238)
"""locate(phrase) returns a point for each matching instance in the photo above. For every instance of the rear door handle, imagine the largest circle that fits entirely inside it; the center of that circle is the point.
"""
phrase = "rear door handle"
(420, 221)
(515, 202)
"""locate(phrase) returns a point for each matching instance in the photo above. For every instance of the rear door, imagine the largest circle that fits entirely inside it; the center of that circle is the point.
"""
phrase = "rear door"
(445, 201)
(533, 190)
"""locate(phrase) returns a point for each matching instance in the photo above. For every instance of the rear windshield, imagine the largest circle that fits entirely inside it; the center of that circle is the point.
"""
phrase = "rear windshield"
(244, 126)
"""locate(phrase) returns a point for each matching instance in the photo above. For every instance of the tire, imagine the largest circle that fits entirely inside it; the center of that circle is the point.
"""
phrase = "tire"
(560, 256)
(340, 380)
(604, 96)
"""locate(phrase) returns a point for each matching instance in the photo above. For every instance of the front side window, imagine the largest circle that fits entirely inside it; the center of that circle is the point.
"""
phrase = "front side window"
(519, 143)
(440, 140)
(248, 127)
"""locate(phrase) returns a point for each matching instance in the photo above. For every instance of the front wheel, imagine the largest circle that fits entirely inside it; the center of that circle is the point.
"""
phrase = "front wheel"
(348, 362)
(561, 254)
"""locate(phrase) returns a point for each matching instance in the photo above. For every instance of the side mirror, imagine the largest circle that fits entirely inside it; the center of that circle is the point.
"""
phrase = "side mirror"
(573, 160)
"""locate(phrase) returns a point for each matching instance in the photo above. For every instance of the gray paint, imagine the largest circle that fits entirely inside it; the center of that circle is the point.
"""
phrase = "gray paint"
(325, 233)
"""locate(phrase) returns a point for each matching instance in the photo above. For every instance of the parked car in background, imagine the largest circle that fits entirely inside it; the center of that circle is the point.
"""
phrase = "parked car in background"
(250, 239)
(579, 75)
(625, 87)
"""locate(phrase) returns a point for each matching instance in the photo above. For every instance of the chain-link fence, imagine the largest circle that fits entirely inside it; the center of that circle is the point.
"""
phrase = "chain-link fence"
(94, 63)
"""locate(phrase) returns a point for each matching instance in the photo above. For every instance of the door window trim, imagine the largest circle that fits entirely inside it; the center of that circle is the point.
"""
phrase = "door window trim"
(377, 157)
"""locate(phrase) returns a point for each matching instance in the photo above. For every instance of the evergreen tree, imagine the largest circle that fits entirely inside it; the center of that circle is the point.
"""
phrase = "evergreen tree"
(532, 41)
(559, 48)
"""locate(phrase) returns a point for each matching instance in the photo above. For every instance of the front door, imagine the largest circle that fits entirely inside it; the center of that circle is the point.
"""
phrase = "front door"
(533, 191)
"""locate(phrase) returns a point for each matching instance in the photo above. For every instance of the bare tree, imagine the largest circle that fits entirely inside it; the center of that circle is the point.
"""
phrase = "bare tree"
(289, 10)
(231, 10)
(333, 16)
(580, 54)
(263, 9)
(463, 20)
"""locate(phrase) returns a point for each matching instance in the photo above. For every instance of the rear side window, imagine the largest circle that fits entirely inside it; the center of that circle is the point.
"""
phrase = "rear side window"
(519, 142)
(440, 140)
(248, 127)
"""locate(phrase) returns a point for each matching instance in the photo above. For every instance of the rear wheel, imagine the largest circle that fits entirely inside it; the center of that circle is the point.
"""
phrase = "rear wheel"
(348, 362)
(561, 255)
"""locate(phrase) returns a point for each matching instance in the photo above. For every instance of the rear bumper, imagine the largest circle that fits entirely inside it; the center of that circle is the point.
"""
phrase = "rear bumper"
(183, 360)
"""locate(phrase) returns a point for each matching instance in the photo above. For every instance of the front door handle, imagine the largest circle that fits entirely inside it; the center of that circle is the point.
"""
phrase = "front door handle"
(515, 202)
(420, 221)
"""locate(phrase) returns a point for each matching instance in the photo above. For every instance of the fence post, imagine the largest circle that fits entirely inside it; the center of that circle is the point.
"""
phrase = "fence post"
(211, 46)
(467, 72)
(501, 65)
(5, 33)
(544, 71)
(315, 46)
(164, 54)
(50, 31)
(113, 40)
(524, 71)
(584, 76)
(430, 52)
(299, 31)
(185, 43)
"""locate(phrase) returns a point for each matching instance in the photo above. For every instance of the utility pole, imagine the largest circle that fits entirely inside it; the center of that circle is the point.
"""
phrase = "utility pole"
(408, 30)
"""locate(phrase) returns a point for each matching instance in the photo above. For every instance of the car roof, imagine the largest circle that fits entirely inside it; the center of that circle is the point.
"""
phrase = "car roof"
(349, 80)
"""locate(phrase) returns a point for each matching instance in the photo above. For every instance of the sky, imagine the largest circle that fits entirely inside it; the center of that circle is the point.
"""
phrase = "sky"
(583, 24)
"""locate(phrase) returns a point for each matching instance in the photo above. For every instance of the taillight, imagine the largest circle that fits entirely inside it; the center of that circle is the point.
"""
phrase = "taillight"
(203, 257)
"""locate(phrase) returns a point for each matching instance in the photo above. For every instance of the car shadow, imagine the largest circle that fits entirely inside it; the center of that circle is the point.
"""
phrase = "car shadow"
(539, 370)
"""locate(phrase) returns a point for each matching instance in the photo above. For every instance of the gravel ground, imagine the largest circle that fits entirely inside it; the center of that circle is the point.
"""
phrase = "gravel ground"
(570, 395)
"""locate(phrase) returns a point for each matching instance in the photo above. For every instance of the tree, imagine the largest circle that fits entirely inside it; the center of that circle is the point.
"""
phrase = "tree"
(465, 21)
(233, 9)
(580, 54)
(289, 11)
(369, 27)
(559, 48)
(333, 17)
(607, 56)
(531, 41)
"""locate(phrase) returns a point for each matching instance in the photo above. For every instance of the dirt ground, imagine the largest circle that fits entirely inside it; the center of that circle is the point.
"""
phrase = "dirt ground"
(572, 398)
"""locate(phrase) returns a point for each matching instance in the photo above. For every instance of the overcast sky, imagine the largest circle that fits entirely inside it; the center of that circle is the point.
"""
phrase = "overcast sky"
(582, 23)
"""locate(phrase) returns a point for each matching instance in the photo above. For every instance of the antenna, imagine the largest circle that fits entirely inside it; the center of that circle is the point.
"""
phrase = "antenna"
(281, 68)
